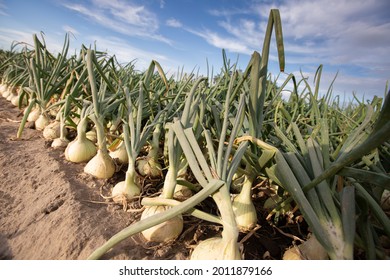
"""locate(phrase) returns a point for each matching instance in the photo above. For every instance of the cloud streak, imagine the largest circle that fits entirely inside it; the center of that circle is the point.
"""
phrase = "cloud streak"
(121, 16)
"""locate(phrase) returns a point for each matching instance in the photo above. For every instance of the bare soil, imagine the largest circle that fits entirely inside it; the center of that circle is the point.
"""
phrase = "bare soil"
(51, 210)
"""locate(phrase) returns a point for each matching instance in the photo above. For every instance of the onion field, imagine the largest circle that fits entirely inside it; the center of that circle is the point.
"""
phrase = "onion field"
(228, 149)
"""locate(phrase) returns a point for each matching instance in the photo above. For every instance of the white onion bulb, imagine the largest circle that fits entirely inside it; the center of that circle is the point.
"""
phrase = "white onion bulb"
(80, 150)
(148, 166)
(42, 122)
(166, 231)
(216, 248)
(52, 130)
(59, 143)
(100, 166)
(120, 153)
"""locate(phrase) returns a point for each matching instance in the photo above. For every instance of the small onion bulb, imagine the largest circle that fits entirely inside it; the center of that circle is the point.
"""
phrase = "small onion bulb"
(34, 114)
(52, 131)
(80, 150)
(216, 248)
(100, 166)
(182, 193)
(127, 189)
(243, 208)
(42, 122)
(385, 200)
(166, 231)
(120, 153)
(91, 135)
(148, 166)
(59, 143)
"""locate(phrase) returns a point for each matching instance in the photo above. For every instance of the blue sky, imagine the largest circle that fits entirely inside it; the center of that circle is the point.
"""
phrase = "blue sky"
(350, 37)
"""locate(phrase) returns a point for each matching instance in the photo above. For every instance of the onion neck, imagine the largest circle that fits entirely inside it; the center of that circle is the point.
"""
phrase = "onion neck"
(131, 180)
(246, 191)
(81, 129)
(170, 182)
(223, 201)
(101, 137)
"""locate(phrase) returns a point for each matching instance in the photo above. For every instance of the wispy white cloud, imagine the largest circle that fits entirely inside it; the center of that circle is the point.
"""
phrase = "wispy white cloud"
(336, 30)
(231, 11)
(220, 41)
(54, 43)
(121, 16)
(16, 36)
(172, 22)
(126, 52)
(70, 29)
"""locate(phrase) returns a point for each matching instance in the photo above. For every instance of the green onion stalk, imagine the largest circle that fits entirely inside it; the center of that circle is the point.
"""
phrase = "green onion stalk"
(101, 166)
(81, 149)
(226, 246)
(171, 229)
(149, 165)
(135, 137)
(61, 141)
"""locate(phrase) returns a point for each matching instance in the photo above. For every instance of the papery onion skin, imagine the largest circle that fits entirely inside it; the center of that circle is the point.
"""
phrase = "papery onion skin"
(166, 231)
(42, 122)
(120, 193)
(216, 248)
(120, 154)
(59, 143)
(80, 150)
(100, 166)
(52, 131)
(149, 167)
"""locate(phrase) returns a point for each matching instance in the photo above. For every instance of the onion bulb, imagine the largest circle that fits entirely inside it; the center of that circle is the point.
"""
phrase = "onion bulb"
(385, 200)
(100, 166)
(311, 249)
(182, 193)
(42, 122)
(243, 208)
(80, 150)
(6, 93)
(52, 131)
(166, 231)
(10, 96)
(120, 153)
(127, 189)
(216, 248)
(91, 135)
(15, 100)
(148, 166)
(59, 143)
(34, 114)
(3, 88)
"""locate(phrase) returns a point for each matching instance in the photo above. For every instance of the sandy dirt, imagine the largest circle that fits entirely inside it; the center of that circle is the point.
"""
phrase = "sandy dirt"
(51, 210)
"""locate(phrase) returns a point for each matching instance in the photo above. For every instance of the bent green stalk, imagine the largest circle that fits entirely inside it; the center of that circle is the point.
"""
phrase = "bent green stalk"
(151, 221)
